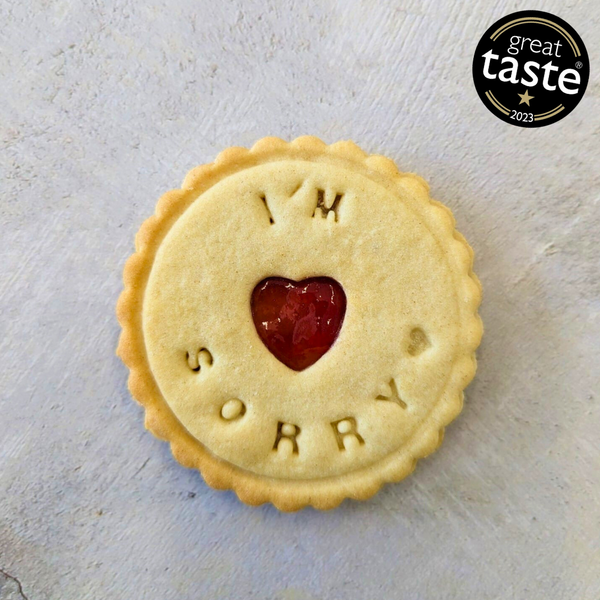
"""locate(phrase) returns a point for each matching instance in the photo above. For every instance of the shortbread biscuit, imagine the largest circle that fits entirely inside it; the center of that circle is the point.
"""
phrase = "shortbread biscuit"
(300, 321)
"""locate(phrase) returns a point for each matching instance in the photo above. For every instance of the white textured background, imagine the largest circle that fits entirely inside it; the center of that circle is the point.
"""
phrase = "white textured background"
(106, 104)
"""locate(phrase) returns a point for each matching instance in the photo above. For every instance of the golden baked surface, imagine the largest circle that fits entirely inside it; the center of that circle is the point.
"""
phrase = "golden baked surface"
(369, 407)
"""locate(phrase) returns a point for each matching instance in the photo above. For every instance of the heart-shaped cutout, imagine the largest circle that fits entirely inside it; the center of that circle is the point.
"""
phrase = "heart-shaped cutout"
(298, 321)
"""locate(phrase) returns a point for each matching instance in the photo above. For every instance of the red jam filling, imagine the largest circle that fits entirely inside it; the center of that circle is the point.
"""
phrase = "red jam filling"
(298, 321)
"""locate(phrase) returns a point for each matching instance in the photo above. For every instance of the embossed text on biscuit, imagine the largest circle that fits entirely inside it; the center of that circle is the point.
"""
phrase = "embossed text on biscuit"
(419, 342)
(263, 199)
(392, 395)
(346, 433)
(233, 409)
(327, 205)
(285, 440)
(199, 359)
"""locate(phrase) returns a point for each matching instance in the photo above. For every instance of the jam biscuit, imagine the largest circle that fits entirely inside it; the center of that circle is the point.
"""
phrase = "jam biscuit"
(300, 321)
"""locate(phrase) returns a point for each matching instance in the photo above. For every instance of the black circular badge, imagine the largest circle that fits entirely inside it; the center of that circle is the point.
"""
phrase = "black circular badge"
(531, 69)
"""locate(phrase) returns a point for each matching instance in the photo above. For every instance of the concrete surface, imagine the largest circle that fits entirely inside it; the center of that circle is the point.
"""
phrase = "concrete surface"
(105, 105)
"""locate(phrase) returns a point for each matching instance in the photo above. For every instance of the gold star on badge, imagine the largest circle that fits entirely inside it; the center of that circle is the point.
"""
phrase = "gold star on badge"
(525, 97)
